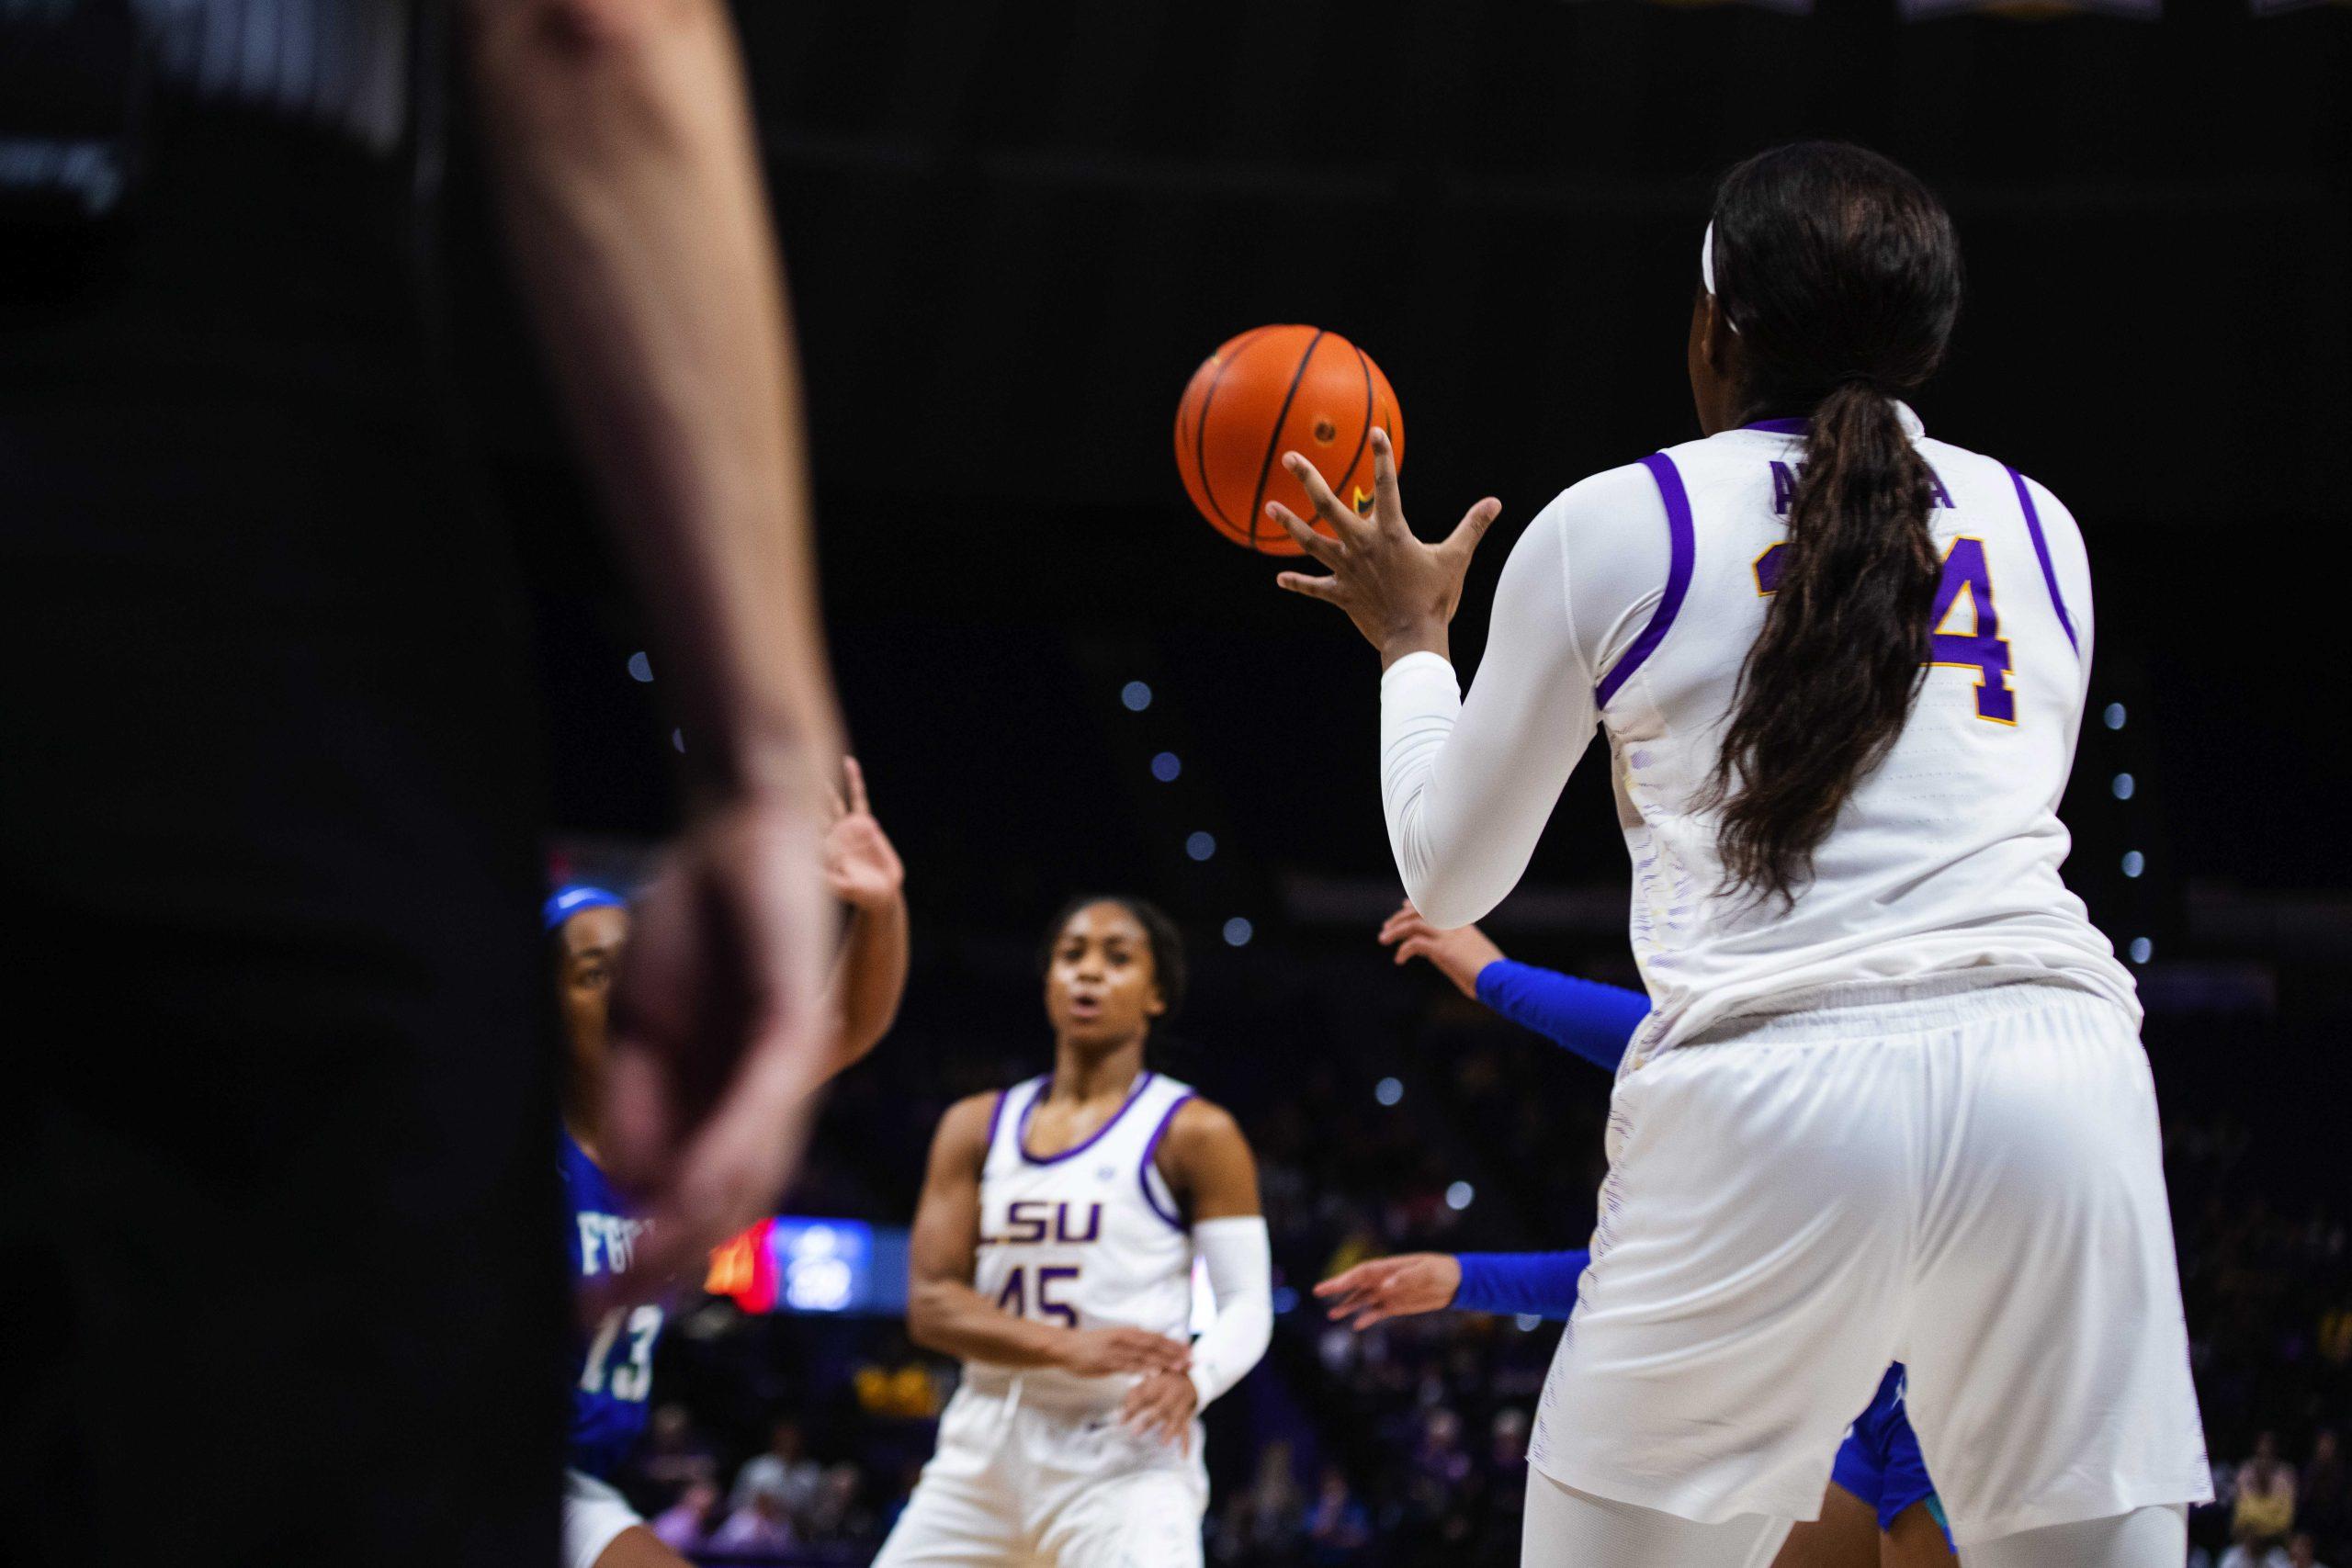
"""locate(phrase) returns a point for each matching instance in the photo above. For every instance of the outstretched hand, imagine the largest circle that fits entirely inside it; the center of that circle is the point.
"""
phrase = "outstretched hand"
(1400, 592)
(1392, 1287)
(862, 867)
(1459, 955)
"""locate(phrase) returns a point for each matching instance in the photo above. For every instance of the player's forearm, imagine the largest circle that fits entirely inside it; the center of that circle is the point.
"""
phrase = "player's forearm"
(1537, 1284)
(871, 978)
(1239, 1257)
(954, 1319)
(1594, 1020)
(1467, 785)
(624, 168)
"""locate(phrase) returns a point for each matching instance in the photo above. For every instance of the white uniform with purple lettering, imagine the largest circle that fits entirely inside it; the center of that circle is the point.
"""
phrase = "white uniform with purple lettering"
(1907, 1118)
(1034, 1465)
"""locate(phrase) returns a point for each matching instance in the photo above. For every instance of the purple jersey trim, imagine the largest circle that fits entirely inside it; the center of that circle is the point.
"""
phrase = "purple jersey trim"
(1677, 574)
(1151, 1147)
(996, 1115)
(1021, 1133)
(1781, 426)
(2042, 554)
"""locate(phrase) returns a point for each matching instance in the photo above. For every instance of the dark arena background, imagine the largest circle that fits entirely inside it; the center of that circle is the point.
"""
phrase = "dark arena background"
(1013, 230)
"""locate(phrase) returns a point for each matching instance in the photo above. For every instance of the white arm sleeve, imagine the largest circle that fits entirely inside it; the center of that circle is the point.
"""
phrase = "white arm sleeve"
(1241, 1282)
(1468, 785)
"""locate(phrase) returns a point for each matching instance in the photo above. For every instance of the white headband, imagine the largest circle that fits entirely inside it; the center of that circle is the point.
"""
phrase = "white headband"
(1707, 272)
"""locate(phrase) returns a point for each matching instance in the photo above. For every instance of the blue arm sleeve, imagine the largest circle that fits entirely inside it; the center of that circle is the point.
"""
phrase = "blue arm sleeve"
(1540, 1284)
(1596, 1022)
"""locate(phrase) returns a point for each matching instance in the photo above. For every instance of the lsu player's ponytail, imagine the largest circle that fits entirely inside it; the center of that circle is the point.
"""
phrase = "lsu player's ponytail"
(1840, 274)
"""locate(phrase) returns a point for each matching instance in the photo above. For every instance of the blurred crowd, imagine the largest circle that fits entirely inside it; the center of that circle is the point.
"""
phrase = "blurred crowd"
(795, 1440)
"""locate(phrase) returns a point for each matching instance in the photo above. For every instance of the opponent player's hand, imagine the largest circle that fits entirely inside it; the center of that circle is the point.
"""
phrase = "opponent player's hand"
(1392, 1287)
(1162, 1407)
(722, 1029)
(1102, 1352)
(861, 866)
(1400, 592)
(1458, 955)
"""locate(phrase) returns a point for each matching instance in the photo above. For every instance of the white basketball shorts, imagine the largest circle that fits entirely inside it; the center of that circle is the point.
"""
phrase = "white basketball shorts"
(1015, 1483)
(1964, 1178)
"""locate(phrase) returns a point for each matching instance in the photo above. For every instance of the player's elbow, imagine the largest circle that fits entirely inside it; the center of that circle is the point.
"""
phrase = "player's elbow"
(1446, 904)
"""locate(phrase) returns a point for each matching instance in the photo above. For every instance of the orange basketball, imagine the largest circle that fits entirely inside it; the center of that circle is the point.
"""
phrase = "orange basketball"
(1269, 391)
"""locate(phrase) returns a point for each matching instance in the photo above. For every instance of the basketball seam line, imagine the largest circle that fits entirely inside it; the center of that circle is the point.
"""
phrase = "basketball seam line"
(1364, 434)
(1257, 500)
(1200, 430)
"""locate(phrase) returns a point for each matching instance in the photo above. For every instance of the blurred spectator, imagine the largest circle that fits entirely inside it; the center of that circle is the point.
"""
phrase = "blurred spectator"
(1261, 1524)
(2299, 1553)
(785, 1470)
(682, 1526)
(2323, 1497)
(674, 1458)
(1440, 1457)
(2265, 1501)
(2335, 1334)
(1338, 1530)
(833, 1514)
(1508, 1439)
(899, 1384)
(758, 1527)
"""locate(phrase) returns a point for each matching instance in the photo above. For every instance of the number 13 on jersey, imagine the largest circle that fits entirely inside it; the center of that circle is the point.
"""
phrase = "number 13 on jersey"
(1963, 595)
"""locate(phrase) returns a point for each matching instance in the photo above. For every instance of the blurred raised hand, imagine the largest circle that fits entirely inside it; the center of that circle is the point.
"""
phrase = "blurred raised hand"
(1383, 1288)
(1458, 955)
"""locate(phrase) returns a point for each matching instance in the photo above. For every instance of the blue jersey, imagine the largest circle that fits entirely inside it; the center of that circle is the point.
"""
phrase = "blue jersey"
(608, 1402)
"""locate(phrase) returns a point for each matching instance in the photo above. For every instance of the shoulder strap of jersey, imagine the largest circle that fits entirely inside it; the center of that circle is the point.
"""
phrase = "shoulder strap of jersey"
(1681, 549)
(1158, 1195)
(1004, 1122)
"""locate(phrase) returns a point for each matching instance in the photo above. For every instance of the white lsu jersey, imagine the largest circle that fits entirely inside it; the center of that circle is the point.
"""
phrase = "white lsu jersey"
(1946, 855)
(1089, 1239)
(1634, 600)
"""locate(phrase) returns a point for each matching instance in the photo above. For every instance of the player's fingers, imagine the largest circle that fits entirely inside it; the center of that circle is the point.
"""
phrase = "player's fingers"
(1318, 546)
(856, 776)
(1309, 586)
(1343, 1304)
(1154, 1352)
(1342, 517)
(1387, 500)
(1473, 526)
(1338, 1282)
(1415, 947)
